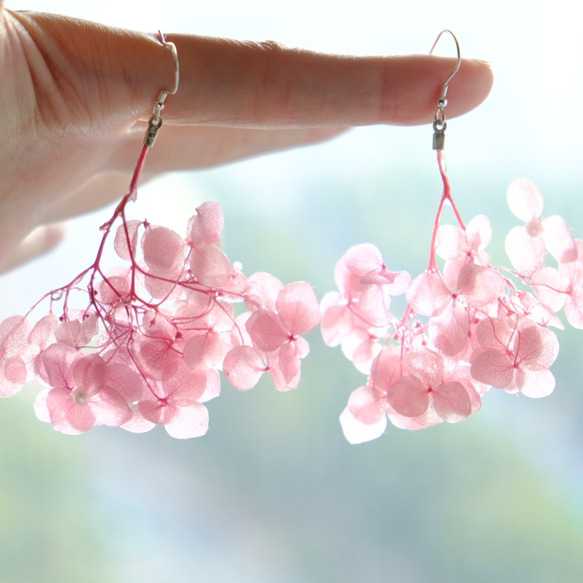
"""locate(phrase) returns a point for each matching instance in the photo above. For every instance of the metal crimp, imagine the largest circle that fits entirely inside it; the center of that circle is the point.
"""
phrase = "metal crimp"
(154, 124)
(439, 135)
(439, 126)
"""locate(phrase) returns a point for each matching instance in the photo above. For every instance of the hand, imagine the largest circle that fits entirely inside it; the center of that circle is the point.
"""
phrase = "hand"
(76, 96)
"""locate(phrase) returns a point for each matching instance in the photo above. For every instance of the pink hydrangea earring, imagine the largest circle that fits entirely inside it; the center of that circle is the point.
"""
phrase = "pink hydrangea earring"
(468, 325)
(142, 344)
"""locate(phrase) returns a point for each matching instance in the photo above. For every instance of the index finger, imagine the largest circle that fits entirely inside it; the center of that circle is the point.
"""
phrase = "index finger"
(266, 85)
(250, 84)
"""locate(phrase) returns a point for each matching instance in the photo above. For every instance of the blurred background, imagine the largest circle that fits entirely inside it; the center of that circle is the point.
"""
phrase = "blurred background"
(274, 493)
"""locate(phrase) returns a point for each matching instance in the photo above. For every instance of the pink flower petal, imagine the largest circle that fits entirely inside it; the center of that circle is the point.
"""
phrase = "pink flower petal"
(449, 242)
(478, 233)
(573, 270)
(425, 365)
(89, 373)
(289, 361)
(362, 259)
(479, 285)
(243, 366)
(367, 406)
(205, 350)
(452, 402)
(206, 226)
(213, 386)
(155, 411)
(158, 357)
(77, 333)
(110, 408)
(277, 376)
(40, 406)
(526, 253)
(386, 368)
(493, 333)
(67, 416)
(492, 367)
(428, 419)
(124, 241)
(559, 240)
(158, 286)
(357, 432)
(298, 307)
(163, 250)
(126, 381)
(186, 384)
(267, 330)
(449, 330)
(262, 291)
(400, 284)
(190, 420)
(537, 383)
(550, 288)
(14, 370)
(115, 287)
(43, 332)
(524, 199)
(374, 305)
(361, 348)
(337, 319)
(56, 364)
(574, 309)
(408, 397)
(428, 293)
(13, 375)
(357, 265)
(137, 423)
(536, 347)
(475, 394)
(210, 266)
(14, 332)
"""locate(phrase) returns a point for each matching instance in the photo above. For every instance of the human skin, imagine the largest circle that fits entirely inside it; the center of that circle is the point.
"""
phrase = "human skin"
(75, 98)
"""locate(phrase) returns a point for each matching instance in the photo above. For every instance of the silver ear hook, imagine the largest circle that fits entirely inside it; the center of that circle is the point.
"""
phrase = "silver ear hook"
(172, 47)
(155, 122)
(439, 125)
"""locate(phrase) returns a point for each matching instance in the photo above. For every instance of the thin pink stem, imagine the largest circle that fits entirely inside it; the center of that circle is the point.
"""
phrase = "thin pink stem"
(119, 211)
(446, 196)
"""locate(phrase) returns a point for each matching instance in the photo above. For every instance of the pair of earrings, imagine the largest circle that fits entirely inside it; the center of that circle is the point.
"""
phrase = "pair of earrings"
(142, 344)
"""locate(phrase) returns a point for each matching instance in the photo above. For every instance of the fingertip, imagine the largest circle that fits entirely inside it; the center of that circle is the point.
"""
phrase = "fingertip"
(470, 87)
(40, 241)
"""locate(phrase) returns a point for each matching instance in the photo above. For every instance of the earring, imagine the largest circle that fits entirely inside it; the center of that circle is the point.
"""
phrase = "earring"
(468, 325)
(142, 344)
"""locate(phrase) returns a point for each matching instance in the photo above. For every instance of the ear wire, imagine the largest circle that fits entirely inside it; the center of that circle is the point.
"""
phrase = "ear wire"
(440, 125)
(155, 122)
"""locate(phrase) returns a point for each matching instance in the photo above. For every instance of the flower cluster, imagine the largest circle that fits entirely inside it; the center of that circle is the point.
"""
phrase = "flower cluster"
(148, 341)
(466, 327)
(147, 347)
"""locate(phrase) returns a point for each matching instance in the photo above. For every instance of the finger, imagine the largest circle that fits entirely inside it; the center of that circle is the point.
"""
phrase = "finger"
(36, 243)
(266, 85)
(97, 192)
(184, 148)
(181, 148)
